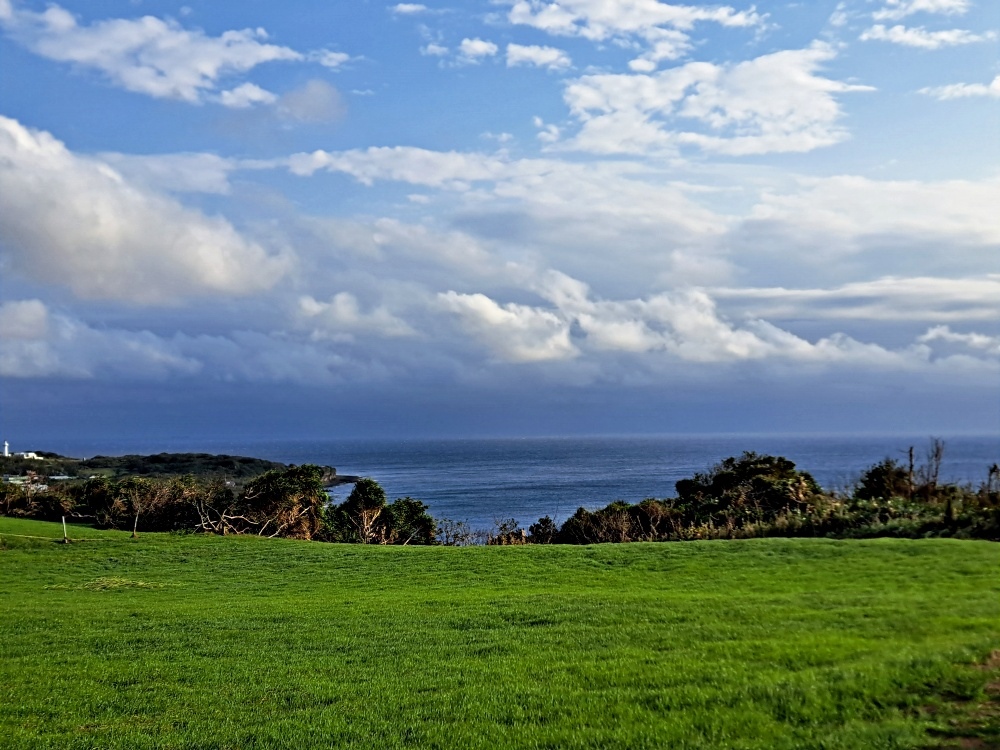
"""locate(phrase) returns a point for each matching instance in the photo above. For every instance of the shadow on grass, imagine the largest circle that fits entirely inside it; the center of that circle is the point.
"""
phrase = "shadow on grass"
(971, 724)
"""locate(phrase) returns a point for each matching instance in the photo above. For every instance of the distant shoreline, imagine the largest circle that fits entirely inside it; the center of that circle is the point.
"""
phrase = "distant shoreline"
(201, 465)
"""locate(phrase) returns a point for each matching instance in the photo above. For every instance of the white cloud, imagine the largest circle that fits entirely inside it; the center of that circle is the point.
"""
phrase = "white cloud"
(515, 333)
(922, 38)
(773, 103)
(896, 10)
(149, 55)
(329, 59)
(246, 95)
(434, 50)
(664, 44)
(840, 16)
(963, 90)
(547, 132)
(542, 57)
(314, 101)
(67, 347)
(680, 326)
(408, 9)
(598, 20)
(889, 299)
(416, 166)
(342, 315)
(77, 222)
(851, 208)
(38, 343)
(662, 27)
(989, 344)
(475, 50)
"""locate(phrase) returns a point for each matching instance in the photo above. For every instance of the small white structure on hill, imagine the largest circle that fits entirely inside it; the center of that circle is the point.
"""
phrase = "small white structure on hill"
(6, 449)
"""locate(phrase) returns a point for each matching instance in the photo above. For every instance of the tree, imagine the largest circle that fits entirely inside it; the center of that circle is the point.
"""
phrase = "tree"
(752, 487)
(137, 495)
(280, 502)
(884, 480)
(408, 522)
(363, 508)
(543, 531)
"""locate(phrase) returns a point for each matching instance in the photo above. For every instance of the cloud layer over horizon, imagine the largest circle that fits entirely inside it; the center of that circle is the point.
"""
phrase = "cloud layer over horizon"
(581, 196)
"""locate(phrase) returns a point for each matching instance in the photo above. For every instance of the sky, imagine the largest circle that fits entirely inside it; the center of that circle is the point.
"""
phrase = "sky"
(510, 217)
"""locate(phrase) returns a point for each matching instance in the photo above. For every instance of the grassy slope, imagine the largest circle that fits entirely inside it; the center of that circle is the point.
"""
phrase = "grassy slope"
(207, 642)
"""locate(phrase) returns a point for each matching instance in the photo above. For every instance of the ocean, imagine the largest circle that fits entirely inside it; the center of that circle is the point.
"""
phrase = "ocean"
(481, 480)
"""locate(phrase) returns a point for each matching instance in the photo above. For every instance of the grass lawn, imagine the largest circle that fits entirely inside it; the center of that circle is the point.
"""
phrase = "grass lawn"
(183, 641)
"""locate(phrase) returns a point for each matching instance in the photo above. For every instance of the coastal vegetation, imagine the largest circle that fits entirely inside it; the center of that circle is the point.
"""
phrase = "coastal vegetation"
(751, 495)
(206, 641)
(204, 465)
(760, 496)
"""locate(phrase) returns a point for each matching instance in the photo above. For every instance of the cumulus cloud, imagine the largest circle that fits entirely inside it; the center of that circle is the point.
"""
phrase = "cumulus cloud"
(404, 163)
(246, 95)
(896, 10)
(922, 38)
(773, 103)
(38, 343)
(661, 26)
(964, 90)
(988, 344)
(474, 51)
(680, 326)
(515, 333)
(149, 55)
(76, 221)
(600, 21)
(330, 59)
(542, 57)
(408, 9)
(342, 316)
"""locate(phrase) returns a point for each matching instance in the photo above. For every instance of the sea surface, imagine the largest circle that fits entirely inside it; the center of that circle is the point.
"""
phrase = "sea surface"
(483, 480)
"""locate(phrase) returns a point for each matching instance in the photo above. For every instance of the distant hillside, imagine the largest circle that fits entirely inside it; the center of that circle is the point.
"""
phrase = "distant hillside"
(204, 465)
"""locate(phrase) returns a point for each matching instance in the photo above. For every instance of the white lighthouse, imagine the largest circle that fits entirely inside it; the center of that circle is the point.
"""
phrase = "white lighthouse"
(6, 449)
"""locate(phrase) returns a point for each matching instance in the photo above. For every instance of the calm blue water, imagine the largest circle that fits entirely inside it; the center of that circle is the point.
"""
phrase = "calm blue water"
(478, 480)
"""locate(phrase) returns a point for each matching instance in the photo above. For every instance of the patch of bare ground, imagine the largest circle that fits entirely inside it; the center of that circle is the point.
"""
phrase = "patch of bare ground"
(971, 725)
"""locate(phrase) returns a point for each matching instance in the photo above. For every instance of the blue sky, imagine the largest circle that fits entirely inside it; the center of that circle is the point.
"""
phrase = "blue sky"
(316, 219)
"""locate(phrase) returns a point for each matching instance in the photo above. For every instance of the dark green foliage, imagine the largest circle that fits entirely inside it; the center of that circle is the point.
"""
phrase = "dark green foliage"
(409, 522)
(758, 496)
(753, 486)
(203, 465)
(280, 502)
(180, 464)
(885, 480)
(367, 495)
(287, 502)
(543, 531)
(365, 517)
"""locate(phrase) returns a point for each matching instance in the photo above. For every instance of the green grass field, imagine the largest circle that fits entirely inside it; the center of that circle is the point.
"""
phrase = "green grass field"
(183, 641)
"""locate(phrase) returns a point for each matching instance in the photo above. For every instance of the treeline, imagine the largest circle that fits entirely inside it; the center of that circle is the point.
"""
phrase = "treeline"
(747, 496)
(205, 465)
(289, 502)
(758, 496)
